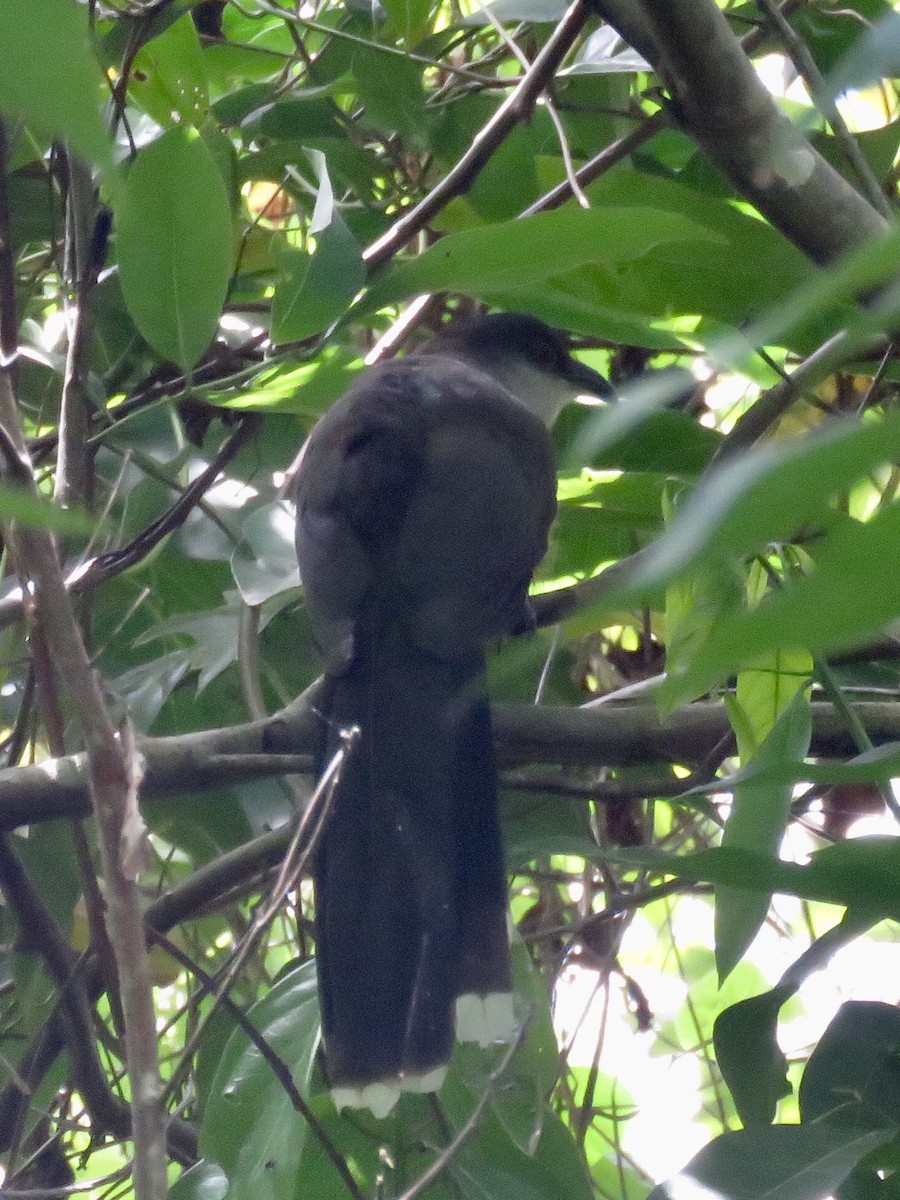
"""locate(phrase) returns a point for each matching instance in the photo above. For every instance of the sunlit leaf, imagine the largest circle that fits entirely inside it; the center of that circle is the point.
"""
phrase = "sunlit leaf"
(169, 78)
(514, 253)
(174, 245)
(782, 1162)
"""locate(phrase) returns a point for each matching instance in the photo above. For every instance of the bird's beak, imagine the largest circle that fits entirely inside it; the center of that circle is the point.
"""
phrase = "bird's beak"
(588, 381)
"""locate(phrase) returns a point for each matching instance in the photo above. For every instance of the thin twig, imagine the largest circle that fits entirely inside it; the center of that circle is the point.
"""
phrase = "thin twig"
(280, 1069)
(517, 107)
(806, 65)
(471, 1124)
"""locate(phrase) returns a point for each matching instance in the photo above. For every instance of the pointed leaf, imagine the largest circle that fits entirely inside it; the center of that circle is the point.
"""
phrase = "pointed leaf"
(19, 504)
(169, 78)
(250, 1127)
(782, 1162)
(749, 1057)
(514, 254)
(317, 287)
(175, 245)
(825, 611)
(855, 1068)
(759, 811)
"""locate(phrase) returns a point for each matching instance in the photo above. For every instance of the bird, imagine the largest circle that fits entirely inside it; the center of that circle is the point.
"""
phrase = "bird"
(424, 499)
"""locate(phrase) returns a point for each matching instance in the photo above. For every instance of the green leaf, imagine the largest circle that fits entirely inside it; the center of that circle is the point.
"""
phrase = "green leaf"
(781, 1162)
(669, 442)
(878, 765)
(306, 389)
(22, 505)
(863, 872)
(519, 1103)
(770, 493)
(749, 1056)
(758, 819)
(203, 1181)
(853, 1075)
(390, 89)
(408, 20)
(723, 283)
(264, 562)
(250, 1127)
(772, 723)
(174, 245)
(512, 254)
(293, 120)
(825, 611)
(318, 287)
(535, 11)
(50, 76)
(169, 77)
(490, 1167)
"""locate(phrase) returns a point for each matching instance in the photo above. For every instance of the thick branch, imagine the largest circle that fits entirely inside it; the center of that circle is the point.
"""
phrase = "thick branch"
(612, 736)
(721, 103)
(110, 775)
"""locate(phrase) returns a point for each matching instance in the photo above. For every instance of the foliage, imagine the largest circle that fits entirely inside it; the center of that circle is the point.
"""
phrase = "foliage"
(210, 215)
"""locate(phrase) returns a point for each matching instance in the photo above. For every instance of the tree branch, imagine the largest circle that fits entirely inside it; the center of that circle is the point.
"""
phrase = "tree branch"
(112, 776)
(515, 108)
(613, 736)
(723, 105)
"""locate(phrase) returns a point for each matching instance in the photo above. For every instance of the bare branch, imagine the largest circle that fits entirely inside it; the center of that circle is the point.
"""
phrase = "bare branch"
(608, 736)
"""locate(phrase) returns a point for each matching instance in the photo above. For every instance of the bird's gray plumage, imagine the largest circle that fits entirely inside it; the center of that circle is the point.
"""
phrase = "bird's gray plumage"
(424, 500)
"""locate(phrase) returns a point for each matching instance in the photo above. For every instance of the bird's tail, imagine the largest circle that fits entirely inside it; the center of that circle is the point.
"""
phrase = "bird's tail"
(410, 880)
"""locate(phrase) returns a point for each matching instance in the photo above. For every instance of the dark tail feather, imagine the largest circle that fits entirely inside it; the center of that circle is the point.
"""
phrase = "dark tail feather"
(410, 881)
(481, 889)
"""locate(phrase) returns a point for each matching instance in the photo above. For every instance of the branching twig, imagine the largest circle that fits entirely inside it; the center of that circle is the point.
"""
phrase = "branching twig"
(40, 934)
(470, 1125)
(517, 107)
(112, 774)
(106, 566)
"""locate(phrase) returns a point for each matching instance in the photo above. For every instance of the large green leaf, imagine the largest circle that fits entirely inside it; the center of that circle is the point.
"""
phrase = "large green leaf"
(22, 505)
(511, 254)
(861, 873)
(878, 765)
(781, 1162)
(853, 1075)
(250, 1127)
(317, 288)
(841, 603)
(174, 245)
(722, 280)
(202, 1181)
(490, 1167)
(770, 493)
(169, 76)
(757, 821)
(749, 1057)
(669, 442)
(49, 74)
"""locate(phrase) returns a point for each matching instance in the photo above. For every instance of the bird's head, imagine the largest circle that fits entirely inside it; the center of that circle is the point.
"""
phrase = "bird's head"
(529, 358)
